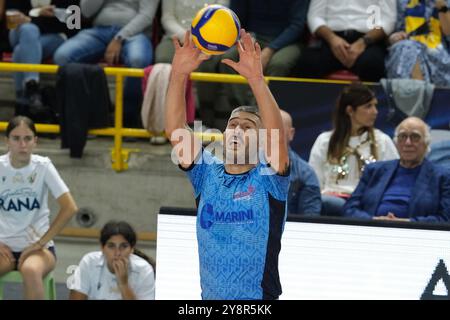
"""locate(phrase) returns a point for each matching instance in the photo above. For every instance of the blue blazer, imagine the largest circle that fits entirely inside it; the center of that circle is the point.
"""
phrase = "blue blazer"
(430, 197)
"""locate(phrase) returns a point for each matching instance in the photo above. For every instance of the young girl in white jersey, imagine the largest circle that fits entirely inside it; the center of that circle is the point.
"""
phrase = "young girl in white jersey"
(25, 232)
(118, 272)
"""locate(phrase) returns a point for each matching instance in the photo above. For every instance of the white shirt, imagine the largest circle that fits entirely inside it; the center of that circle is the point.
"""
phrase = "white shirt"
(24, 213)
(93, 278)
(339, 15)
(324, 170)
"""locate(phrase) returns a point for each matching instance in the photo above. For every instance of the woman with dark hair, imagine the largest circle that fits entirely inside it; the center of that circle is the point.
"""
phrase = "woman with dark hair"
(25, 232)
(118, 272)
(339, 156)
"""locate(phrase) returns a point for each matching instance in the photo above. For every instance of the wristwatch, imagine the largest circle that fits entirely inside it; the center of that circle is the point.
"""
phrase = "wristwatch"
(443, 9)
(368, 41)
(119, 38)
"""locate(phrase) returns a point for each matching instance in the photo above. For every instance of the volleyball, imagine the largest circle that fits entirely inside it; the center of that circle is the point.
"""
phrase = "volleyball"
(215, 29)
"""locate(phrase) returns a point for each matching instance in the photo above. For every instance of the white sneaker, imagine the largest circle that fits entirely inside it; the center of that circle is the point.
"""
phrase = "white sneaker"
(158, 140)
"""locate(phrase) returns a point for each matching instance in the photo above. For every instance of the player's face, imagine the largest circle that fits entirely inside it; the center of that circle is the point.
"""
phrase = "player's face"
(21, 142)
(117, 247)
(241, 134)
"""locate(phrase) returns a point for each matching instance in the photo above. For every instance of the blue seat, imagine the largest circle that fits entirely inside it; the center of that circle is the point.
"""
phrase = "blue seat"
(440, 153)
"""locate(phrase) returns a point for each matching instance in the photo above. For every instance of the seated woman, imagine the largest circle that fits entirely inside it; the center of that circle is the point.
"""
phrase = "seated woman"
(338, 157)
(34, 39)
(118, 272)
(420, 47)
(25, 232)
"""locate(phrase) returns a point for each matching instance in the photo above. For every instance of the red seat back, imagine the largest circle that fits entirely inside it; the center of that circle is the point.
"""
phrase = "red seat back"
(342, 75)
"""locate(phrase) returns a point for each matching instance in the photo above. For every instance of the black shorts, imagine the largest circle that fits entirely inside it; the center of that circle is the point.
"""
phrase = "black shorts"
(18, 254)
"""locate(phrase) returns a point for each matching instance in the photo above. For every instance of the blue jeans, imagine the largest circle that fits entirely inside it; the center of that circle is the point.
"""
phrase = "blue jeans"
(89, 46)
(31, 47)
(332, 206)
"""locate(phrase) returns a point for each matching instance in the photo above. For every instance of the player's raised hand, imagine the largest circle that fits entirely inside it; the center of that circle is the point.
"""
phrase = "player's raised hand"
(249, 64)
(187, 57)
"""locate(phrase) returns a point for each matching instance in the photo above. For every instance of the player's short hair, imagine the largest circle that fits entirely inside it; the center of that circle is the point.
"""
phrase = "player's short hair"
(249, 109)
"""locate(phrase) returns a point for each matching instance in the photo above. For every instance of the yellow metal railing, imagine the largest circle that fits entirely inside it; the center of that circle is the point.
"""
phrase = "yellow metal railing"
(120, 155)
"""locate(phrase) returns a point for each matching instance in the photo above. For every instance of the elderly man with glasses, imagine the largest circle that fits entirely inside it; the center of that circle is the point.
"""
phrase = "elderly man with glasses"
(408, 189)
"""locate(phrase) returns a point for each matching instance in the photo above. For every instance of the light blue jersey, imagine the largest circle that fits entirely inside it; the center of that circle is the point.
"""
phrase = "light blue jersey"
(240, 221)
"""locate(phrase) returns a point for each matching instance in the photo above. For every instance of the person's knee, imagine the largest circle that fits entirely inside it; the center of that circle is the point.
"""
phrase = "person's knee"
(141, 60)
(61, 56)
(6, 266)
(283, 61)
(370, 61)
(30, 272)
(370, 65)
(279, 68)
(66, 53)
(29, 32)
(164, 52)
(163, 57)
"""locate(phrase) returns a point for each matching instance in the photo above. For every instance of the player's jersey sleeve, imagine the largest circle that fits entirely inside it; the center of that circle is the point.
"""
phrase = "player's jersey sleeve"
(54, 182)
(196, 172)
(277, 185)
(81, 281)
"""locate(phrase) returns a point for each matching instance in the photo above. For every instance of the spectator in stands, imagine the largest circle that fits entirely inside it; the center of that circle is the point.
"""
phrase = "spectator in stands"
(176, 20)
(339, 156)
(25, 235)
(118, 272)
(120, 34)
(351, 36)
(304, 188)
(241, 200)
(409, 189)
(33, 40)
(420, 47)
(278, 26)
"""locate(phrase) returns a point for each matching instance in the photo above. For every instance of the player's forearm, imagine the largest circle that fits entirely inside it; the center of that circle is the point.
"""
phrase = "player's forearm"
(176, 103)
(270, 115)
(325, 33)
(376, 35)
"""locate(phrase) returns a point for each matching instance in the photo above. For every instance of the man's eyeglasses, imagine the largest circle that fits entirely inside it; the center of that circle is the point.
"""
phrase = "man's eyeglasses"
(413, 137)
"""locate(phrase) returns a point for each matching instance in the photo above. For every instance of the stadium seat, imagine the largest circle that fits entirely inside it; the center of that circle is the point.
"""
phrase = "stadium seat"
(342, 75)
(7, 57)
(16, 277)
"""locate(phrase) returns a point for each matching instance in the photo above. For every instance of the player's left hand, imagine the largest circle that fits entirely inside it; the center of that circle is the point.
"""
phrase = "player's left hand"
(249, 64)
